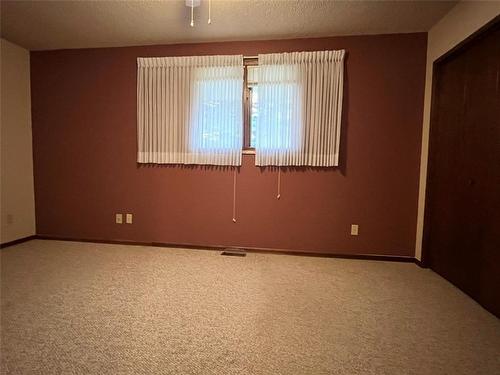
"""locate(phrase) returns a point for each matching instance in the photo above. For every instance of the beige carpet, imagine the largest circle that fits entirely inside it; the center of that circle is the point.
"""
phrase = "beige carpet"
(79, 308)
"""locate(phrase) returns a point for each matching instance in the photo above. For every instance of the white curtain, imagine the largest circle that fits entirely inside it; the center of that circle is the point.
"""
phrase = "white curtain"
(189, 110)
(300, 108)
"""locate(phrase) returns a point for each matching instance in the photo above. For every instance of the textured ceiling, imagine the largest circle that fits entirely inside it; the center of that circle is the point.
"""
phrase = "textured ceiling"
(43, 25)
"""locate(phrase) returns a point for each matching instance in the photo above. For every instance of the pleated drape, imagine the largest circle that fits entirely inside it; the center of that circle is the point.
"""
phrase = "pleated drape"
(300, 108)
(189, 110)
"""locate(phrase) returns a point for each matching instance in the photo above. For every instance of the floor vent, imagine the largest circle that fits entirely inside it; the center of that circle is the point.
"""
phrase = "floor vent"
(234, 253)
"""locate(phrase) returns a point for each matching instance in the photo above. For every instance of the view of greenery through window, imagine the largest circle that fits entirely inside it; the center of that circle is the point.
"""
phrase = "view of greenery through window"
(254, 112)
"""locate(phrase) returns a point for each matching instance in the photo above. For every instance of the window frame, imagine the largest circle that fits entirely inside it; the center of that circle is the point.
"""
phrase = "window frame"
(247, 100)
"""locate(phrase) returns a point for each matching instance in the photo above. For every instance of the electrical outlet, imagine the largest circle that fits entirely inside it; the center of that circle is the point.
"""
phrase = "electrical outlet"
(128, 218)
(119, 219)
(354, 229)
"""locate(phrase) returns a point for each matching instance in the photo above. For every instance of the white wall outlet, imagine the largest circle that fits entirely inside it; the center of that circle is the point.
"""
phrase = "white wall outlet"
(119, 218)
(128, 218)
(354, 229)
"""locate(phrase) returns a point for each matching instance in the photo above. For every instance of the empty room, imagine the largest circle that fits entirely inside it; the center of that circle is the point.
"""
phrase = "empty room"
(295, 187)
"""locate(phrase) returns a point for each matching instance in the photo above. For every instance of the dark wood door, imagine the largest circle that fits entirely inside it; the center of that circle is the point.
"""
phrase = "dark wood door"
(462, 224)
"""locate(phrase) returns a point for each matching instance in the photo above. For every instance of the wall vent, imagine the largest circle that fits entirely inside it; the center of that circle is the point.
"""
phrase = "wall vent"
(234, 252)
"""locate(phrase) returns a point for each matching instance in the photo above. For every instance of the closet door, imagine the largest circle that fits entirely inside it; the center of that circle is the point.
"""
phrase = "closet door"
(463, 207)
(482, 120)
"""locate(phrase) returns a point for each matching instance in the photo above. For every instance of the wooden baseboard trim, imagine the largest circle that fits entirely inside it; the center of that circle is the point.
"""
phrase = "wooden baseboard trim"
(18, 241)
(420, 263)
(386, 258)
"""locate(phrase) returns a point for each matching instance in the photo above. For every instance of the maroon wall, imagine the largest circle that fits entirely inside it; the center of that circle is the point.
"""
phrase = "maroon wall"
(84, 137)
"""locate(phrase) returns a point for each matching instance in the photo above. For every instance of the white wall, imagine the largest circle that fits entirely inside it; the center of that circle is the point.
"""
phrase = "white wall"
(462, 21)
(17, 203)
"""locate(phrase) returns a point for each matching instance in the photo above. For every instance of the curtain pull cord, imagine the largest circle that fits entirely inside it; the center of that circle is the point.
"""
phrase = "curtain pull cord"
(209, 11)
(192, 14)
(234, 196)
(279, 183)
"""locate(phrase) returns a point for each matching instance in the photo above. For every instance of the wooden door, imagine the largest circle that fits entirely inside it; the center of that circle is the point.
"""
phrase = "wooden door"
(462, 224)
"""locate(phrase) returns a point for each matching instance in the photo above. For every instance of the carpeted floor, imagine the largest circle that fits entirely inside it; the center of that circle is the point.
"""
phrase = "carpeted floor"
(80, 308)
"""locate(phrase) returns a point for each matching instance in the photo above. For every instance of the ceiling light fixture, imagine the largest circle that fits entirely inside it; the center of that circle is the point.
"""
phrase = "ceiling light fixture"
(196, 3)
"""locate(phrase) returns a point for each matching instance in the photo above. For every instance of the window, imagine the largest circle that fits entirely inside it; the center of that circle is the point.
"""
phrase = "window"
(280, 126)
(254, 111)
(189, 109)
(216, 110)
(251, 103)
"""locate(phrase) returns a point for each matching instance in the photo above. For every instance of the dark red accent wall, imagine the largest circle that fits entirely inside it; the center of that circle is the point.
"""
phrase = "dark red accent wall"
(84, 138)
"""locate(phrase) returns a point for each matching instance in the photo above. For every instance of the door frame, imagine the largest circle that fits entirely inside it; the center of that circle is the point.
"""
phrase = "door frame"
(464, 44)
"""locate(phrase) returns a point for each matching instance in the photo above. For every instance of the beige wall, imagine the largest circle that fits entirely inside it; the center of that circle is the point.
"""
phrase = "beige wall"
(17, 203)
(462, 21)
